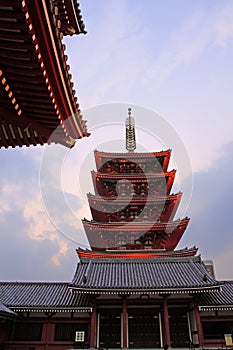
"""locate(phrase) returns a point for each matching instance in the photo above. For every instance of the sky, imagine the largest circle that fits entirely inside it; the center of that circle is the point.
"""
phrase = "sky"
(171, 62)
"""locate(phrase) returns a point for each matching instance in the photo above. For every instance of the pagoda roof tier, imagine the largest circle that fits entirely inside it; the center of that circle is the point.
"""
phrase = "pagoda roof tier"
(37, 100)
(132, 254)
(159, 208)
(109, 184)
(157, 160)
(41, 297)
(152, 276)
(155, 235)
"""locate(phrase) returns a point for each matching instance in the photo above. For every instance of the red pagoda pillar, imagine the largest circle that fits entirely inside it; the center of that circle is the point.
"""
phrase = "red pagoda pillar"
(124, 325)
(199, 326)
(166, 327)
(93, 327)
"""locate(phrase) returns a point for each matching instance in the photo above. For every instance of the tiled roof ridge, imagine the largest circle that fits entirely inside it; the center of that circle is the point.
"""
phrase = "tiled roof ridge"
(204, 274)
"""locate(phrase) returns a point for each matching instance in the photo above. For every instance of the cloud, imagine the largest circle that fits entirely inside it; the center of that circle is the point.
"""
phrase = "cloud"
(116, 49)
(211, 226)
(223, 27)
(31, 248)
(203, 29)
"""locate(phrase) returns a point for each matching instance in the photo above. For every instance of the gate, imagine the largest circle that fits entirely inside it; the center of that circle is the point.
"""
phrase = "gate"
(144, 330)
(110, 331)
(179, 330)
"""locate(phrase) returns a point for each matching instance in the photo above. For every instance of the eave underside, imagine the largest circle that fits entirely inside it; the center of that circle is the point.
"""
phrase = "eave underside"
(37, 96)
(111, 209)
(153, 184)
(135, 235)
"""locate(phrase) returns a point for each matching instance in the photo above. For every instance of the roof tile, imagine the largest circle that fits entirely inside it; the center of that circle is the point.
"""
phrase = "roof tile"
(143, 274)
(42, 295)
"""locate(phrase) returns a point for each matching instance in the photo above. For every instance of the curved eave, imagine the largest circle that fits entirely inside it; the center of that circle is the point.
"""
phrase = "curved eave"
(140, 254)
(44, 26)
(111, 235)
(129, 226)
(134, 178)
(99, 205)
(103, 157)
(216, 307)
(36, 89)
(51, 309)
(153, 291)
(134, 200)
(70, 17)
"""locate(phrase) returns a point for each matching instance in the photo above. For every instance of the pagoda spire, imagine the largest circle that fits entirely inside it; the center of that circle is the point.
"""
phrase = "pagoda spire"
(130, 133)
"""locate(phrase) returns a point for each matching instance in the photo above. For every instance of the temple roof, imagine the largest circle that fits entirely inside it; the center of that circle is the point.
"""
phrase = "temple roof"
(35, 297)
(153, 276)
(223, 300)
(37, 100)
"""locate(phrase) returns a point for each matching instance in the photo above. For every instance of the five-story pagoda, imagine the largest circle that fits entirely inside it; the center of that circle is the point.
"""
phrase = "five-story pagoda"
(143, 290)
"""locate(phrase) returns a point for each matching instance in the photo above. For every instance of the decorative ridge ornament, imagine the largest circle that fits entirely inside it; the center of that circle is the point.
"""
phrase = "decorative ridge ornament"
(130, 133)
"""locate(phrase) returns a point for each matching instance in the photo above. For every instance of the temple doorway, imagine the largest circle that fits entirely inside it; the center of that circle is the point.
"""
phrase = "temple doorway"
(143, 330)
(179, 330)
(110, 330)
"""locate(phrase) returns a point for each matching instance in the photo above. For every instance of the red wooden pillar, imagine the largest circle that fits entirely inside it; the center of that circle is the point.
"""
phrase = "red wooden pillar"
(124, 325)
(93, 327)
(199, 326)
(45, 332)
(48, 333)
(166, 327)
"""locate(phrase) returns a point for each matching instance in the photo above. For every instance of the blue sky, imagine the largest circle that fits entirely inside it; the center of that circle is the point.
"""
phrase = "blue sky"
(171, 57)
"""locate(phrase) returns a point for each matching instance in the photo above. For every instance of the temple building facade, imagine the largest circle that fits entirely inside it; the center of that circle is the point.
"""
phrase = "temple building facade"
(133, 289)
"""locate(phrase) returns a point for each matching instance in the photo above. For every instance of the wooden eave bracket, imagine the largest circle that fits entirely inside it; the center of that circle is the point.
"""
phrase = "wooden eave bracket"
(44, 135)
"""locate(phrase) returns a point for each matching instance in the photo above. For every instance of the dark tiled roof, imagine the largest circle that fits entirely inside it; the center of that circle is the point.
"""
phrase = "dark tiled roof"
(41, 296)
(173, 275)
(4, 311)
(220, 300)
